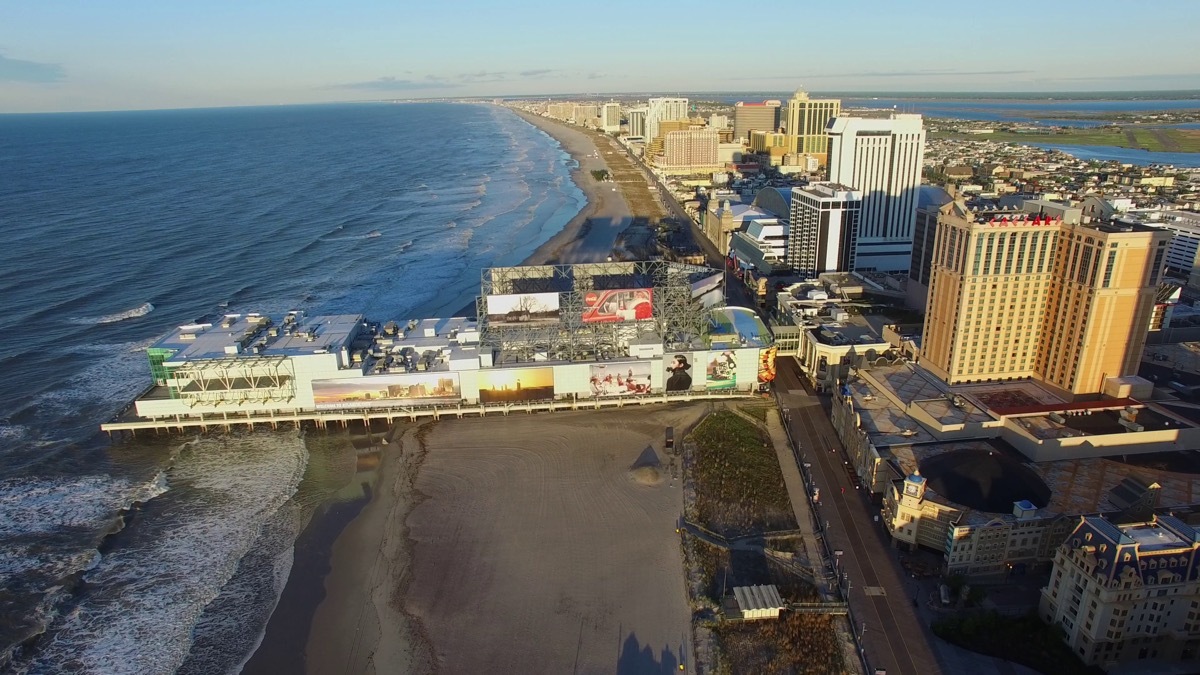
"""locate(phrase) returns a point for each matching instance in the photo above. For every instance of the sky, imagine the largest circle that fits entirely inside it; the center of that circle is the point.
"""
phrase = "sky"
(76, 55)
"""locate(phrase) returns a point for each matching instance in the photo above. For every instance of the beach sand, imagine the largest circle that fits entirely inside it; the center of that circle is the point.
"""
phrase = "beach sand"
(534, 544)
(591, 235)
(538, 551)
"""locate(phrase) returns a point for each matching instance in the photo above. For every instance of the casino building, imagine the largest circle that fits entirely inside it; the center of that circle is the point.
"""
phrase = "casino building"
(550, 336)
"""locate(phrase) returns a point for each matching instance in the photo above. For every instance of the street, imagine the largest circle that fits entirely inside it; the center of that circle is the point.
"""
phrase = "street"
(881, 599)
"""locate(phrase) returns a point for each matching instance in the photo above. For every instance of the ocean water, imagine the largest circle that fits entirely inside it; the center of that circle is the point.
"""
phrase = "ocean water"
(150, 556)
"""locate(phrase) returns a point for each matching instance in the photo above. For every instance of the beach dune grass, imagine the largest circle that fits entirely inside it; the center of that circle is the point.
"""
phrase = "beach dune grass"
(795, 643)
(739, 486)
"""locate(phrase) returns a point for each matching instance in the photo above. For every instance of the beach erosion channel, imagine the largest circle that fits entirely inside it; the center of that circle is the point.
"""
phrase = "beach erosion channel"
(512, 544)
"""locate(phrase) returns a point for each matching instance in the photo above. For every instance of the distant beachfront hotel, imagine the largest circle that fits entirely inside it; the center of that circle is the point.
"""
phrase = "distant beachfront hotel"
(748, 117)
(691, 150)
(881, 159)
(659, 110)
(805, 125)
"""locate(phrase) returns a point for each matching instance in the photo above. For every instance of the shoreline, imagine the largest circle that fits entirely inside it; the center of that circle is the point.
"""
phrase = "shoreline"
(587, 237)
(343, 600)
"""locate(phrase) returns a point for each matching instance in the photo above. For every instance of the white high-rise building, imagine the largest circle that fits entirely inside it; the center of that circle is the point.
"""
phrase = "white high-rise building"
(881, 159)
(660, 109)
(610, 117)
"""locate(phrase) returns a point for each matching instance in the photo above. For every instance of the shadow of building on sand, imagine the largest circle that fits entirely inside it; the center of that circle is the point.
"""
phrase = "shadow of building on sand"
(636, 659)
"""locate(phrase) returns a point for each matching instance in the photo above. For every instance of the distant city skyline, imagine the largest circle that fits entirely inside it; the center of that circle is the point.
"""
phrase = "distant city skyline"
(75, 56)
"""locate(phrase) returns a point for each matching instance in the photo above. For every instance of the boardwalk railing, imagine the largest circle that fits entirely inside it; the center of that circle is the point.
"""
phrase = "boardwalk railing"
(323, 417)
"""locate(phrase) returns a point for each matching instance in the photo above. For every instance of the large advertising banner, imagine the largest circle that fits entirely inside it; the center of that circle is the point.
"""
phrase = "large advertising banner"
(680, 372)
(766, 365)
(620, 379)
(522, 309)
(618, 305)
(378, 391)
(721, 370)
(511, 385)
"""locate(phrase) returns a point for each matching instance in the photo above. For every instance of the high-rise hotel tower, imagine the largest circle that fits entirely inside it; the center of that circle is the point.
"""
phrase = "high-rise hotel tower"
(1034, 297)
(805, 124)
(881, 159)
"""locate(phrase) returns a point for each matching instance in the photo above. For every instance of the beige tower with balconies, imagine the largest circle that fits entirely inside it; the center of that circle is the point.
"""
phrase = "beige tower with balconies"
(1031, 297)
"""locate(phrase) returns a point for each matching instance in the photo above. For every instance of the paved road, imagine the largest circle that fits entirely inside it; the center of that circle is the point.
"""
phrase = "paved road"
(894, 638)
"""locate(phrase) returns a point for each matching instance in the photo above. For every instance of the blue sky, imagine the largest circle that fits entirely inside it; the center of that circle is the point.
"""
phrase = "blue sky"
(132, 54)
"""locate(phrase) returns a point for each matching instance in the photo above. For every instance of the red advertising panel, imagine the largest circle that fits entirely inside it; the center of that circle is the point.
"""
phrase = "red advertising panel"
(615, 306)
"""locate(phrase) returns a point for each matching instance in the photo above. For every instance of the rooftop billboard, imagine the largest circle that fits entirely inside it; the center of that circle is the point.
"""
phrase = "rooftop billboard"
(522, 309)
(615, 306)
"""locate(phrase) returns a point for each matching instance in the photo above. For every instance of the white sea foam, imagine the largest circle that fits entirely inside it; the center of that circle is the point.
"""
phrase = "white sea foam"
(146, 594)
(116, 374)
(141, 310)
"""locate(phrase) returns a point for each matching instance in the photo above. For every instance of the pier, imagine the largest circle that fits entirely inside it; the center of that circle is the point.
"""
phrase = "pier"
(323, 418)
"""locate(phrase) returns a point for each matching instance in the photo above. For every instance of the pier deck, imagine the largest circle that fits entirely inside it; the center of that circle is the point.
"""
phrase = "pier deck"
(343, 417)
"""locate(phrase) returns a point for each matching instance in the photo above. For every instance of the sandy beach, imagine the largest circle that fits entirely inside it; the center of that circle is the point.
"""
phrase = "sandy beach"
(591, 235)
(523, 544)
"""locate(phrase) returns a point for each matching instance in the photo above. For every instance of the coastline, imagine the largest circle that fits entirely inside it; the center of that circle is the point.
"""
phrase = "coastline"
(591, 236)
(344, 599)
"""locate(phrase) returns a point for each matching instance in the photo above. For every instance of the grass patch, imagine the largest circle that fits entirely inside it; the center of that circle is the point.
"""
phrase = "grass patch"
(739, 487)
(795, 643)
(1042, 646)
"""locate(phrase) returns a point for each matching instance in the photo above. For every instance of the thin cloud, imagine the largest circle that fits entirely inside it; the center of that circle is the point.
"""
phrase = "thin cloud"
(891, 73)
(18, 70)
(483, 76)
(536, 73)
(394, 84)
(595, 76)
(1094, 78)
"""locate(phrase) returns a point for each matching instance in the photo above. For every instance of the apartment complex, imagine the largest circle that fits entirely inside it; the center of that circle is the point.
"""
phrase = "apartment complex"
(748, 117)
(880, 158)
(821, 232)
(1127, 592)
(805, 124)
(693, 149)
(661, 109)
(1032, 297)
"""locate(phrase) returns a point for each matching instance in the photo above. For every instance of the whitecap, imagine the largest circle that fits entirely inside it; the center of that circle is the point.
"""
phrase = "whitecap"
(141, 310)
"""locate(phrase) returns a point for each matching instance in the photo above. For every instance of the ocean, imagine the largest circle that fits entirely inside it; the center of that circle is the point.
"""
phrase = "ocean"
(169, 554)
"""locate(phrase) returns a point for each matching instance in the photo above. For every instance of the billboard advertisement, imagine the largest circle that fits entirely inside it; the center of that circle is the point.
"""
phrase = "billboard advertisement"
(512, 385)
(620, 379)
(766, 365)
(618, 305)
(721, 371)
(522, 309)
(379, 391)
(680, 369)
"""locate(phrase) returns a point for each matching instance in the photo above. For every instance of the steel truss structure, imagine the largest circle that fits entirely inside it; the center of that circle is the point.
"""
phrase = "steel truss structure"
(236, 380)
(678, 320)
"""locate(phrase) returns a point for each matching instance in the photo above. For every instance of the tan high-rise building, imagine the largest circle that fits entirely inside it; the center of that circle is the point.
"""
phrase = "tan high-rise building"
(1030, 297)
(690, 150)
(805, 124)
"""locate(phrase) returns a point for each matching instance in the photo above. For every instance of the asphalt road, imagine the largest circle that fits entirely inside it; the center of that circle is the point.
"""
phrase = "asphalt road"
(881, 597)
